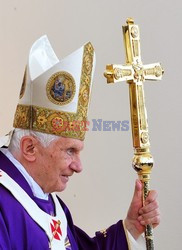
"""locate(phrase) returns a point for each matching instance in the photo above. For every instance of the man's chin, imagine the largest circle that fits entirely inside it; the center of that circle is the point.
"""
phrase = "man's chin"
(61, 188)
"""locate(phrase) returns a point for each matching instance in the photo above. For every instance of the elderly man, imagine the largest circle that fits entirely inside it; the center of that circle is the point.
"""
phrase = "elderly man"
(44, 151)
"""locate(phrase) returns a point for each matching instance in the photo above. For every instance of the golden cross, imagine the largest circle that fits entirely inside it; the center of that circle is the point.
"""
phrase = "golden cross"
(135, 73)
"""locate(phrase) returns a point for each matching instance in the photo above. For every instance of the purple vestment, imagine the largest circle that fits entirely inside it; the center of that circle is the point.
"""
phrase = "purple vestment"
(18, 231)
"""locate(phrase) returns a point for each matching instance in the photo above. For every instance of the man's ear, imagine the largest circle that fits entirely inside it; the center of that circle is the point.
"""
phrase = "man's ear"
(28, 148)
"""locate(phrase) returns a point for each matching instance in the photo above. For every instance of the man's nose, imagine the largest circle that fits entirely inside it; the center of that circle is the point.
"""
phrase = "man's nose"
(76, 165)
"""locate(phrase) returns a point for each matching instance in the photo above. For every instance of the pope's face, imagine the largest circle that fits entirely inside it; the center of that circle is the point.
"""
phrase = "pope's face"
(57, 163)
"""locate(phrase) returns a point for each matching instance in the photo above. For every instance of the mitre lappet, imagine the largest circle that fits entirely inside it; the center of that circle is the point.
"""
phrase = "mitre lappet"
(54, 96)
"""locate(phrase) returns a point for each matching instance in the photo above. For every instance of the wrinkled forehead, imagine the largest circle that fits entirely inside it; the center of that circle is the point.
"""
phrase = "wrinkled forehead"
(65, 142)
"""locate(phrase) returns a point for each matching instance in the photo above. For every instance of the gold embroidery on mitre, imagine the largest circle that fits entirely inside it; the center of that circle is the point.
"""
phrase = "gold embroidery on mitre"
(61, 88)
(22, 117)
(59, 123)
(22, 91)
(67, 124)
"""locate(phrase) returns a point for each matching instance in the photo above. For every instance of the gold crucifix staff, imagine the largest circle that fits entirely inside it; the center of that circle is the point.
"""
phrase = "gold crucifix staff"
(135, 73)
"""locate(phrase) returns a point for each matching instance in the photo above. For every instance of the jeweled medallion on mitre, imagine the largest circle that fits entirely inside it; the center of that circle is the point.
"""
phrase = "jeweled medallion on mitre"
(61, 88)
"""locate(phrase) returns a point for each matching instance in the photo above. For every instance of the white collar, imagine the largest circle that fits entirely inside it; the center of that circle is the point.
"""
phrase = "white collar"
(36, 189)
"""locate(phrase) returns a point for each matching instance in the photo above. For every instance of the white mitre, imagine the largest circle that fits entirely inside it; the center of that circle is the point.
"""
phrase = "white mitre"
(55, 94)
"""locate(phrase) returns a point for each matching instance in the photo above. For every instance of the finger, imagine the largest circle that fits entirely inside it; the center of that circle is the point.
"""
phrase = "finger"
(149, 215)
(138, 191)
(151, 196)
(152, 221)
(148, 208)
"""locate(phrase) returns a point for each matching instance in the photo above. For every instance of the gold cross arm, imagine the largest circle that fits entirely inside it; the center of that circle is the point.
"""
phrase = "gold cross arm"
(133, 70)
(118, 73)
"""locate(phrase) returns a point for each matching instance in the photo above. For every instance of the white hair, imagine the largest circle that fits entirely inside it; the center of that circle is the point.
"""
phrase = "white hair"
(45, 139)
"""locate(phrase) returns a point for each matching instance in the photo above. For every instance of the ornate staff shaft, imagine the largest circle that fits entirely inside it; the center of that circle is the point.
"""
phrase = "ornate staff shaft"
(135, 73)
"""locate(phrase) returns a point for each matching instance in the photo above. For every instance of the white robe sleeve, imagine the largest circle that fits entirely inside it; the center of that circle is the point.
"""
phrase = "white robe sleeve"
(138, 244)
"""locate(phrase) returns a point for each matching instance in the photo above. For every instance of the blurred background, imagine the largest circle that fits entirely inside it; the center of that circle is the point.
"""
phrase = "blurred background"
(101, 194)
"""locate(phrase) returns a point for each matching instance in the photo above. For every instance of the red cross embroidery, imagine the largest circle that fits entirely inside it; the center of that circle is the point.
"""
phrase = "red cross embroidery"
(56, 230)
